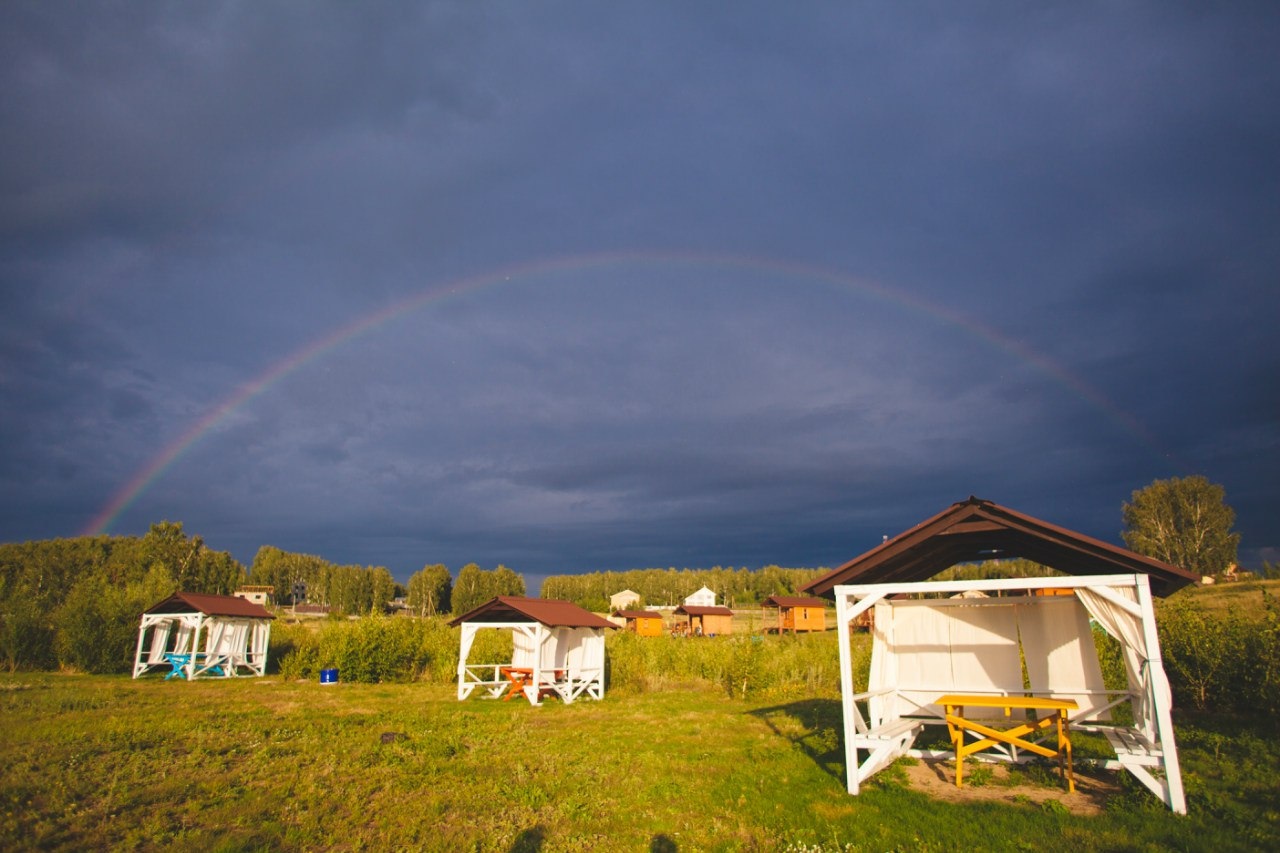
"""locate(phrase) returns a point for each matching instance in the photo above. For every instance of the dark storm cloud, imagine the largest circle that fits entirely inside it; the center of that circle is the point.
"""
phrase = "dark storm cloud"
(1070, 212)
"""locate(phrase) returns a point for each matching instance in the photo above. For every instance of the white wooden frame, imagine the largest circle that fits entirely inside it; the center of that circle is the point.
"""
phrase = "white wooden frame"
(574, 681)
(872, 742)
(232, 645)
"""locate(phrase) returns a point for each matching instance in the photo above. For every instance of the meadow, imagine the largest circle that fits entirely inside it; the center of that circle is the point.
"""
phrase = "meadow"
(726, 743)
(103, 762)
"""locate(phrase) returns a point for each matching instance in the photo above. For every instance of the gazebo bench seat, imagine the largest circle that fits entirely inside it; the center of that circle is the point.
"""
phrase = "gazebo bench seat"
(893, 730)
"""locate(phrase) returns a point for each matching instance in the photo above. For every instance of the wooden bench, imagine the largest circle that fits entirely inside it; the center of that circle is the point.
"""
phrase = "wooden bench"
(893, 730)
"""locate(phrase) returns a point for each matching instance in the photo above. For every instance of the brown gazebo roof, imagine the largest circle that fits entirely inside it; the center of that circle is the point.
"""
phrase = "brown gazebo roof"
(552, 612)
(975, 530)
(210, 605)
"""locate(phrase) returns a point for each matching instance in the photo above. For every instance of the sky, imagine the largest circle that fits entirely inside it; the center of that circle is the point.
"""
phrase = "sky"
(576, 287)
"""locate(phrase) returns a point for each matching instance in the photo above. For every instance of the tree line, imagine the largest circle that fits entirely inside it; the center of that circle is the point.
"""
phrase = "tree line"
(305, 578)
(433, 591)
(76, 602)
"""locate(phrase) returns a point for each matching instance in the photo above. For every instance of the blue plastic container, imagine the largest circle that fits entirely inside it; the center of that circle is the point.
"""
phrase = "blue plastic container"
(328, 676)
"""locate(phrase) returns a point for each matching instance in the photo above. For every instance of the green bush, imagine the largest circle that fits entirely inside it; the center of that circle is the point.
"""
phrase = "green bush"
(744, 666)
(1222, 660)
(380, 649)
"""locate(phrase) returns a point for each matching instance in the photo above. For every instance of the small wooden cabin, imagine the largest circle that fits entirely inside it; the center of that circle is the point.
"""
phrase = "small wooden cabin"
(705, 621)
(642, 623)
(798, 613)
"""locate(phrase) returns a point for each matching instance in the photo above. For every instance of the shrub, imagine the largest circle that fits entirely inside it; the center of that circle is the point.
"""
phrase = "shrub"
(1223, 660)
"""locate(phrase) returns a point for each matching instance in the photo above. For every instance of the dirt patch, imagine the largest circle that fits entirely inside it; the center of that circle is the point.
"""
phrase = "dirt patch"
(937, 778)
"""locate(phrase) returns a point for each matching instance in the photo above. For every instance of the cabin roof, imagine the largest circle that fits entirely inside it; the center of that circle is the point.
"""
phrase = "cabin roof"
(794, 601)
(702, 610)
(975, 530)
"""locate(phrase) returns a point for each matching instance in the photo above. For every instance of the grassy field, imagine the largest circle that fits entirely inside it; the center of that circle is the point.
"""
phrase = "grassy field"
(97, 762)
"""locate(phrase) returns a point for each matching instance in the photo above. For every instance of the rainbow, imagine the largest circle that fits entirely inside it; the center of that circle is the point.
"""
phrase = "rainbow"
(156, 467)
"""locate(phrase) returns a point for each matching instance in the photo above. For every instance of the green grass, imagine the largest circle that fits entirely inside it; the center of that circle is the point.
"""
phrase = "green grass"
(101, 762)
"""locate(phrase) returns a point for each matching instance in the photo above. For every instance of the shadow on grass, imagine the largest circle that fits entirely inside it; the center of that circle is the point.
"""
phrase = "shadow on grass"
(813, 725)
(662, 844)
(529, 841)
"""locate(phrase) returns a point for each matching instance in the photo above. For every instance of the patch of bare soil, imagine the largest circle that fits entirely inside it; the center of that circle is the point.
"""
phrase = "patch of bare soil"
(937, 778)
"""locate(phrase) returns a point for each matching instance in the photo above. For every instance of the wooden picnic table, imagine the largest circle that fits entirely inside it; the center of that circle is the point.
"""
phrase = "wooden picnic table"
(1054, 717)
(521, 677)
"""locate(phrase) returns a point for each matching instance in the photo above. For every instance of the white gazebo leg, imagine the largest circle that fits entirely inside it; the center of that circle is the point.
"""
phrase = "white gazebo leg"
(1159, 695)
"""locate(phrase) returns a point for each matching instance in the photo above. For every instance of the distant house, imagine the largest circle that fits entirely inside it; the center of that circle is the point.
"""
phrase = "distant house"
(702, 598)
(642, 623)
(260, 595)
(796, 613)
(705, 621)
(623, 600)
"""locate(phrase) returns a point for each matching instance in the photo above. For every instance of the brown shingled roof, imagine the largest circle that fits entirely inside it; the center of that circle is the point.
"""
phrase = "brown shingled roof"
(793, 601)
(975, 530)
(211, 605)
(552, 612)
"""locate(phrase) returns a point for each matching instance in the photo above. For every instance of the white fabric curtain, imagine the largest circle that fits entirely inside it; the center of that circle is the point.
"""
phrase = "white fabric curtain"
(1126, 627)
(524, 647)
(984, 648)
(924, 651)
(216, 636)
(1060, 654)
(159, 640)
(258, 642)
(182, 640)
(464, 647)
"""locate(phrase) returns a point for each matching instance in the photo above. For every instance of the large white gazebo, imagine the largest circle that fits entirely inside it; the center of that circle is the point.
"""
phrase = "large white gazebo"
(936, 638)
(198, 635)
(557, 649)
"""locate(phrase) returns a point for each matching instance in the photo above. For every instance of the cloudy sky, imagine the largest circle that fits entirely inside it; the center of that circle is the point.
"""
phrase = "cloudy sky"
(585, 286)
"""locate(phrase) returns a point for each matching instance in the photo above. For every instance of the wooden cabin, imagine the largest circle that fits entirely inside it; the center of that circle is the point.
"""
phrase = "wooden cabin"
(642, 623)
(798, 613)
(705, 621)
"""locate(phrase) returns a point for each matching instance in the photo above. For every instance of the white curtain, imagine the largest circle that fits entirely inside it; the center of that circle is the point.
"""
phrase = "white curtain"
(524, 647)
(926, 649)
(1126, 627)
(182, 642)
(1060, 654)
(159, 639)
(464, 648)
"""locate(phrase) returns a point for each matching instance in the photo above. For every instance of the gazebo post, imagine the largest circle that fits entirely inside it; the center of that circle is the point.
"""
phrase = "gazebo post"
(1161, 698)
(846, 691)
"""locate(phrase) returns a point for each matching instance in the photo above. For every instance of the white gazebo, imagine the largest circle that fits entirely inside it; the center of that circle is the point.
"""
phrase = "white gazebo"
(927, 644)
(557, 649)
(197, 635)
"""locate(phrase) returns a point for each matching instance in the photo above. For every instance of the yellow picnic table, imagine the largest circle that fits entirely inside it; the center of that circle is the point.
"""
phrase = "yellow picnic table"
(1054, 716)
